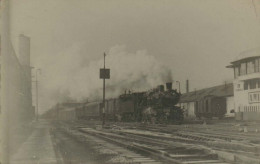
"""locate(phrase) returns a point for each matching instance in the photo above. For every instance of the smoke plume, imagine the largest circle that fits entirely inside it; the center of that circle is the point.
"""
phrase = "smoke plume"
(68, 77)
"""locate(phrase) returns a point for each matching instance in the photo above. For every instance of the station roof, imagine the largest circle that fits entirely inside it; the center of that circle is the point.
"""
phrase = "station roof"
(225, 90)
(245, 56)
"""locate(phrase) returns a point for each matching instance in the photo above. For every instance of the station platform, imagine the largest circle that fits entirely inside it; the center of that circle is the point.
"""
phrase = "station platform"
(38, 148)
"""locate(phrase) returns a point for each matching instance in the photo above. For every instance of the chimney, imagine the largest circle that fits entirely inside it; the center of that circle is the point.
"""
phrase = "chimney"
(187, 86)
(169, 86)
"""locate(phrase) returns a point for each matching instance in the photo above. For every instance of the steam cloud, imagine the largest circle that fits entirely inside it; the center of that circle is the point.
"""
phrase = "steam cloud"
(70, 78)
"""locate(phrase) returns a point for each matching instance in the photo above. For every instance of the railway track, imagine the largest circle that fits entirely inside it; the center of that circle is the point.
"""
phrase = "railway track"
(207, 133)
(166, 151)
(198, 134)
(122, 154)
(245, 145)
(237, 148)
(175, 145)
(151, 149)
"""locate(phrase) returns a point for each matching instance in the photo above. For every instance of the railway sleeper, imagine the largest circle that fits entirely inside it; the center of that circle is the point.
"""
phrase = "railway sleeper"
(156, 154)
(247, 149)
(134, 158)
(168, 152)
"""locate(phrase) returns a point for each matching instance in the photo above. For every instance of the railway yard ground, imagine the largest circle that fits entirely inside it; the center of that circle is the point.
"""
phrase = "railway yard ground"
(73, 142)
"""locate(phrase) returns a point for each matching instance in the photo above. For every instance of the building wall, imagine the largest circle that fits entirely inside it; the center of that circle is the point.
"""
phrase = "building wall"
(243, 98)
(247, 90)
(17, 89)
(24, 60)
(189, 109)
(20, 91)
(230, 106)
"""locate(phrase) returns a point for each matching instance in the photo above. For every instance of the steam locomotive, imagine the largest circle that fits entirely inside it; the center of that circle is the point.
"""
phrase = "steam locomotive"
(156, 105)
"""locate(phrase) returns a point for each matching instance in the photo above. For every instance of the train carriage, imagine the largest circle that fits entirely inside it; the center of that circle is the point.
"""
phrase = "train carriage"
(67, 114)
(89, 111)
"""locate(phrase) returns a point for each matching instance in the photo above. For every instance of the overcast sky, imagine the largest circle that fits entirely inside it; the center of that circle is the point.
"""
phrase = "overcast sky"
(195, 39)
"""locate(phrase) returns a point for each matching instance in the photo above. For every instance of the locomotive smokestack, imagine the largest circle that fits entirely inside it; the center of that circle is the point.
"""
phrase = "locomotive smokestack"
(169, 86)
(161, 88)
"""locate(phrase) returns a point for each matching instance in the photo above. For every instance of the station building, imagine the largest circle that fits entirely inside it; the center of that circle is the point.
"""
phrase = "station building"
(205, 102)
(247, 85)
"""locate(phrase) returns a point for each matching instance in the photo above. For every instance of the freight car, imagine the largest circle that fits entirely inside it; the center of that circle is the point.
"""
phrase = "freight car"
(210, 106)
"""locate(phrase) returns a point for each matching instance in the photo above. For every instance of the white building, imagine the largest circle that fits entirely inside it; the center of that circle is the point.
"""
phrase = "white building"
(247, 85)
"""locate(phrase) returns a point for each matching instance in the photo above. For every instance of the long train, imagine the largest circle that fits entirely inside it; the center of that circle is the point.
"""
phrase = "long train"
(157, 105)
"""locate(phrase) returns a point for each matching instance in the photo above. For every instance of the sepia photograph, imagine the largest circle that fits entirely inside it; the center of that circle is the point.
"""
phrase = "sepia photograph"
(130, 82)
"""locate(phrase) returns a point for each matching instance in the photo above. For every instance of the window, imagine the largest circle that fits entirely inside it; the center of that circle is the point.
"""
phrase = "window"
(207, 105)
(254, 97)
(256, 65)
(243, 69)
(236, 71)
(252, 84)
(245, 85)
(250, 67)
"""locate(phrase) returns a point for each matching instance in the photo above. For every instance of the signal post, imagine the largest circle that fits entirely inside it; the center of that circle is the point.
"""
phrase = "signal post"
(104, 74)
